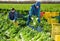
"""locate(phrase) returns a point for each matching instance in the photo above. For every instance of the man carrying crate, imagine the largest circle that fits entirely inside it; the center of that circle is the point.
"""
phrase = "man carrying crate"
(34, 10)
(58, 17)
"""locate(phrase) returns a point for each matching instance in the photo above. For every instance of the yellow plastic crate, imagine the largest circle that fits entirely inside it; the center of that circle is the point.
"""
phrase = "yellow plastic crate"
(55, 30)
(50, 14)
(57, 37)
(53, 14)
(47, 15)
(51, 21)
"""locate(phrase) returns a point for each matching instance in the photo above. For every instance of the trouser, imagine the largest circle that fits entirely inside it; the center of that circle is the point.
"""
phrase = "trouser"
(38, 28)
(35, 28)
(59, 20)
(29, 19)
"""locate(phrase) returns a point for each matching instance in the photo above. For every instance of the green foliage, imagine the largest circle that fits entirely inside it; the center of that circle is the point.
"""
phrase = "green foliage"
(45, 26)
(44, 7)
(50, 7)
(16, 6)
(34, 21)
(10, 32)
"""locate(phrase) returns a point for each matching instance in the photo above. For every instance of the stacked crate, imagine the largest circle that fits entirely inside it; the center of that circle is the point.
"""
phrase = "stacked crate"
(57, 37)
(50, 17)
(47, 15)
(56, 31)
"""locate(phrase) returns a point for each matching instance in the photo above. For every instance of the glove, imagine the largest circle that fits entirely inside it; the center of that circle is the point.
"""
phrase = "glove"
(13, 20)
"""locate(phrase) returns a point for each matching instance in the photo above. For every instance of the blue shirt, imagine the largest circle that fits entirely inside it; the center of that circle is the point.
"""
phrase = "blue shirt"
(34, 11)
(12, 15)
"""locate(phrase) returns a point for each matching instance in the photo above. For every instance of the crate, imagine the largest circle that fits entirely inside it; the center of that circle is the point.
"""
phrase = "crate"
(50, 14)
(53, 14)
(57, 37)
(52, 20)
(47, 15)
(55, 30)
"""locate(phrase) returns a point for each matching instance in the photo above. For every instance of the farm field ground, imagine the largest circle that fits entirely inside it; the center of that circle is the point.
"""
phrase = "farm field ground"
(44, 7)
(9, 31)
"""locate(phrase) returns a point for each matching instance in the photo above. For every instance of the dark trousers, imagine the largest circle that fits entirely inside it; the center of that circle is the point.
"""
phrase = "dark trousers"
(29, 18)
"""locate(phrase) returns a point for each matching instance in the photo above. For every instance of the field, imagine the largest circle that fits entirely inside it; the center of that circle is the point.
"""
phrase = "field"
(44, 7)
(10, 31)
(16, 6)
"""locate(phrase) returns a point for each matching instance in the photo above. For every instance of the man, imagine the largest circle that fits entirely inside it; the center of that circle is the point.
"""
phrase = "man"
(58, 17)
(35, 10)
(13, 15)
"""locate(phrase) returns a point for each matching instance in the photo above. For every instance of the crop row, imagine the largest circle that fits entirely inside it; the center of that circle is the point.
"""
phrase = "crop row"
(43, 7)
(12, 32)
